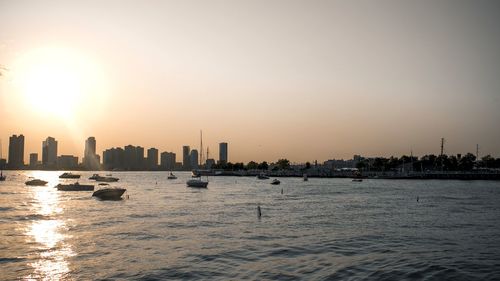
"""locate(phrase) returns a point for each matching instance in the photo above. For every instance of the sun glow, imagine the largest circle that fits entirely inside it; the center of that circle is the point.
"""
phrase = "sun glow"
(58, 81)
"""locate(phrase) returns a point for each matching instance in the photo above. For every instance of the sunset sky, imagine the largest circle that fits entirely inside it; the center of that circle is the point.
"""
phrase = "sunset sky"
(305, 80)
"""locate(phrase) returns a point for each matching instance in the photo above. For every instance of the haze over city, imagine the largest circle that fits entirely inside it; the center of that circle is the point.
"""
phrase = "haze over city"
(305, 80)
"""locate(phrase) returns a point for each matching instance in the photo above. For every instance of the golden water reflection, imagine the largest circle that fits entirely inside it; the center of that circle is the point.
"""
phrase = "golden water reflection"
(47, 231)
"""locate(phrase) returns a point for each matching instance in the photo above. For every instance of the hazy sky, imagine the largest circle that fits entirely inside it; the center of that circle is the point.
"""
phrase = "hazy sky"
(306, 80)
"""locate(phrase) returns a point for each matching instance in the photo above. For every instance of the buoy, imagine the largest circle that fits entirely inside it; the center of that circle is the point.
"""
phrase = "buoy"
(282, 191)
(259, 213)
(417, 198)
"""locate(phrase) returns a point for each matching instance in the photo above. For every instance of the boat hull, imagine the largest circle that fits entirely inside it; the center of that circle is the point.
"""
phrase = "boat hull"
(197, 183)
(75, 187)
(109, 193)
(36, 183)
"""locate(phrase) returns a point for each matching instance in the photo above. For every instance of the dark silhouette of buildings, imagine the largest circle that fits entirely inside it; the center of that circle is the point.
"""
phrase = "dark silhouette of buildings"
(114, 158)
(16, 152)
(223, 153)
(49, 153)
(91, 161)
(193, 157)
(152, 159)
(67, 162)
(167, 161)
(33, 160)
(186, 159)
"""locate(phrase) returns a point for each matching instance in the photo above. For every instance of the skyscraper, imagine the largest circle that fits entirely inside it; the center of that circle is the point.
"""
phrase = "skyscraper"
(194, 159)
(223, 152)
(49, 152)
(186, 158)
(16, 152)
(167, 161)
(152, 158)
(90, 158)
(33, 160)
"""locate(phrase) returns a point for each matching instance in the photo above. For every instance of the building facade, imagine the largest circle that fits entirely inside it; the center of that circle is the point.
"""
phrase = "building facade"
(16, 152)
(223, 153)
(49, 152)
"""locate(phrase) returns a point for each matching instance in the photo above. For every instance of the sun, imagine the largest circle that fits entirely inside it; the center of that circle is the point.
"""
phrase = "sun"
(56, 81)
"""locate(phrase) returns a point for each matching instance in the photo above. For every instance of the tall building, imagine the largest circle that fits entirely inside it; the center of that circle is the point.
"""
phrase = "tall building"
(49, 152)
(193, 157)
(113, 158)
(223, 152)
(16, 152)
(33, 160)
(139, 158)
(67, 162)
(186, 160)
(167, 161)
(130, 157)
(91, 160)
(152, 159)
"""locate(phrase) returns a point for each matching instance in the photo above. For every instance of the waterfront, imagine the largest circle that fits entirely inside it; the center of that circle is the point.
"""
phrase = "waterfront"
(320, 229)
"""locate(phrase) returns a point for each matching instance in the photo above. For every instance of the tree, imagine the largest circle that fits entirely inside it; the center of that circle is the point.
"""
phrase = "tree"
(308, 165)
(283, 164)
(263, 166)
(466, 163)
(252, 165)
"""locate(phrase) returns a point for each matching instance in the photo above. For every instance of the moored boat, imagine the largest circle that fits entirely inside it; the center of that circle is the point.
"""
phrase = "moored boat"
(171, 176)
(36, 182)
(107, 179)
(2, 176)
(109, 193)
(262, 176)
(275, 182)
(94, 176)
(68, 175)
(197, 183)
(75, 187)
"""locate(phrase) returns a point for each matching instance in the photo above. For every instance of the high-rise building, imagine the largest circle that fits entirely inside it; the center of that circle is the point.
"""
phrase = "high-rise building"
(167, 161)
(223, 152)
(113, 158)
(67, 162)
(193, 157)
(186, 165)
(152, 158)
(16, 152)
(91, 160)
(33, 160)
(140, 158)
(49, 152)
(130, 157)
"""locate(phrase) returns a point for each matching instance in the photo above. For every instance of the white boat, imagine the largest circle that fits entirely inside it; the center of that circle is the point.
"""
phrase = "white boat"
(109, 193)
(75, 187)
(69, 176)
(171, 176)
(197, 183)
(36, 182)
(262, 176)
(275, 182)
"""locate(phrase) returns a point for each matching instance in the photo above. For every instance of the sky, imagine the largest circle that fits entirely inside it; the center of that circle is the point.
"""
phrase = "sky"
(302, 80)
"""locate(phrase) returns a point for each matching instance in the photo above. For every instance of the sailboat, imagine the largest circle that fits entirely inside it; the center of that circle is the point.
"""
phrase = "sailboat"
(197, 181)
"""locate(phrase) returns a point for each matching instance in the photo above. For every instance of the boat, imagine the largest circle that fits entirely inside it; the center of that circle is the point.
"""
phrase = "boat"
(107, 179)
(109, 193)
(75, 187)
(275, 182)
(69, 176)
(94, 176)
(36, 182)
(171, 176)
(305, 177)
(2, 176)
(357, 180)
(262, 176)
(197, 183)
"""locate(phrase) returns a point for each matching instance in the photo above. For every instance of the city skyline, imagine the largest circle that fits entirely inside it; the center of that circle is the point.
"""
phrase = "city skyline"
(306, 81)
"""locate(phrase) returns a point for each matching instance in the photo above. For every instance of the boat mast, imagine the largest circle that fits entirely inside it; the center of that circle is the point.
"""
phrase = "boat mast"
(201, 147)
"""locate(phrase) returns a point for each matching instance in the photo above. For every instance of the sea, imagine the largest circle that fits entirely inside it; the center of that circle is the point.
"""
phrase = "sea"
(321, 229)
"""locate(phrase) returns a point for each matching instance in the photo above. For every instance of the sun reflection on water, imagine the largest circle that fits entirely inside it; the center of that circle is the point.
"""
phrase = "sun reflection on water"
(47, 233)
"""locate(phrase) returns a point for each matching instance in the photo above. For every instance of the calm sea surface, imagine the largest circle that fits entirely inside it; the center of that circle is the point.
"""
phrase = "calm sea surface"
(321, 229)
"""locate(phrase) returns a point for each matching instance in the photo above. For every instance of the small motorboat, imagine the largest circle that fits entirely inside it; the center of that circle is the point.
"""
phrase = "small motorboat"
(36, 182)
(107, 179)
(197, 183)
(262, 177)
(275, 182)
(171, 176)
(109, 193)
(94, 177)
(75, 187)
(357, 180)
(69, 176)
